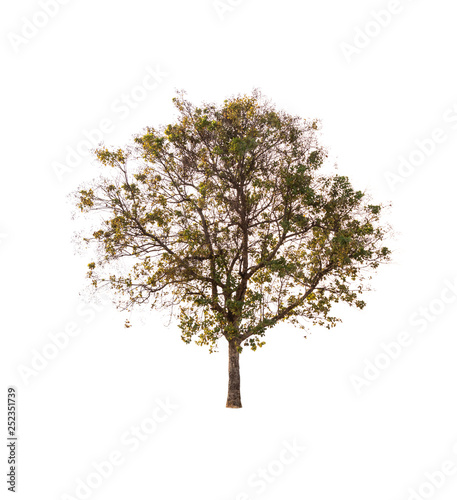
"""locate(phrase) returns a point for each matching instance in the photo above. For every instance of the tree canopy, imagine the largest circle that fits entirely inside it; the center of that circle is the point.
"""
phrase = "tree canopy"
(226, 216)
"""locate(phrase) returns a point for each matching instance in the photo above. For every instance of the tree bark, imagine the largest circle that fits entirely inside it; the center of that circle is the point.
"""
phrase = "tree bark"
(234, 394)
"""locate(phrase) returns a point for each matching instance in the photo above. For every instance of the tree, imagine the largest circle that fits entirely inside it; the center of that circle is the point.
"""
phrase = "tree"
(226, 215)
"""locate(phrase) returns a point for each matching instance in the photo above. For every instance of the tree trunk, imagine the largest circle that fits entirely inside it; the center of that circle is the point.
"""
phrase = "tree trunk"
(234, 394)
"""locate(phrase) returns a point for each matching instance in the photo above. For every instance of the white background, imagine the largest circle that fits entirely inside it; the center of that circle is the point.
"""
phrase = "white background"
(375, 101)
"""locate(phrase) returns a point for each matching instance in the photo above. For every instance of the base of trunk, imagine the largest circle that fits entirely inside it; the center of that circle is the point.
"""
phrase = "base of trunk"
(234, 394)
(233, 404)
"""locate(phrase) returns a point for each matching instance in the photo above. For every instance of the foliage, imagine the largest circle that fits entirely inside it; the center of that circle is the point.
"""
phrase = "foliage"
(225, 215)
